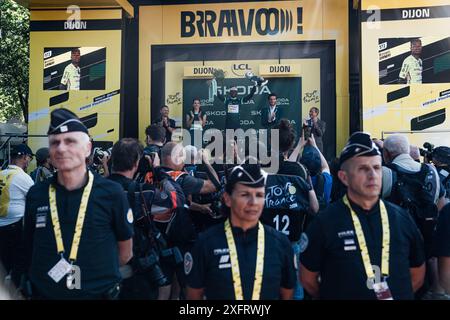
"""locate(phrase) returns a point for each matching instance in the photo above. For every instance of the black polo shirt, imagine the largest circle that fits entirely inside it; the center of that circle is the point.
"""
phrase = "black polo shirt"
(331, 248)
(210, 267)
(105, 224)
(172, 124)
(441, 239)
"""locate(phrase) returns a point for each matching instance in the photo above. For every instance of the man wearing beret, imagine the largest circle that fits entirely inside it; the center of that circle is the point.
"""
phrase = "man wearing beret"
(362, 247)
(241, 259)
(78, 226)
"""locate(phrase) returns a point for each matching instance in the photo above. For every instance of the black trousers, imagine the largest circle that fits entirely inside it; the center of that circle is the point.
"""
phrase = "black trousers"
(11, 246)
(138, 287)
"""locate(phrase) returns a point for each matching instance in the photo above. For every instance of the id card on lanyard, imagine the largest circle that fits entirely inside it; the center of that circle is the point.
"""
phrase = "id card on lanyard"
(63, 267)
(236, 275)
(380, 286)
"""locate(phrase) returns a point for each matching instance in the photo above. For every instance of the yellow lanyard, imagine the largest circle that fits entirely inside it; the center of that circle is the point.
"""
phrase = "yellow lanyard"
(362, 241)
(238, 293)
(80, 219)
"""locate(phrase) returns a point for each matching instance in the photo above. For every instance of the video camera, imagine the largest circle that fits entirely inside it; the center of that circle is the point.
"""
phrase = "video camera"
(427, 151)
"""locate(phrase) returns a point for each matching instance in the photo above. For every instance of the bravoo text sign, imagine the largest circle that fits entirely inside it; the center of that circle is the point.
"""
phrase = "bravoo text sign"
(266, 21)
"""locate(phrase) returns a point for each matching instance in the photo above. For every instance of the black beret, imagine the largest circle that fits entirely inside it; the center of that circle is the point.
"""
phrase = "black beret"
(63, 120)
(250, 175)
(359, 144)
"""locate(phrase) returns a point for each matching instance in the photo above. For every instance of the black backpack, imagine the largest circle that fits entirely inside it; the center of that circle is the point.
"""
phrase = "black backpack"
(415, 191)
(176, 223)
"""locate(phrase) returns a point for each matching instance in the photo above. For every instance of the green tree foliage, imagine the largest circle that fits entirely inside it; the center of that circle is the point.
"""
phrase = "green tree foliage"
(14, 60)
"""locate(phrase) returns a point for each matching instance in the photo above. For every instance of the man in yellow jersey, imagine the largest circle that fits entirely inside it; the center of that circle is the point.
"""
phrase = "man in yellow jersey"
(241, 259)
(362, 247)
(78, 227)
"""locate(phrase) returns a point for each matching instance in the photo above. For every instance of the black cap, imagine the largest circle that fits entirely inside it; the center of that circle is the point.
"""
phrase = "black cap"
(42, 154)
(63, 120)
(359, 144)
(311, 160)
(441, 154)
(250, 175)
(21, 149)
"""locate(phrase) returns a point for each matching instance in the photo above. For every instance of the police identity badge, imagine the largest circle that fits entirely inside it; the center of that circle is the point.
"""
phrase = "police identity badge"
(382, 291)
(41, 220)
(60, 270)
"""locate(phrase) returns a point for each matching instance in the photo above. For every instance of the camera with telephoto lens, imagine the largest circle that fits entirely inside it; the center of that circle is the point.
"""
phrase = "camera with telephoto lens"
(427, 151)
(149, 265)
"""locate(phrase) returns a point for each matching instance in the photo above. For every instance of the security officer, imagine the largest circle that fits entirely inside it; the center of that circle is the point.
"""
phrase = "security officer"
(78, 226)
(241, 258)
(441, 249)
(361, 247)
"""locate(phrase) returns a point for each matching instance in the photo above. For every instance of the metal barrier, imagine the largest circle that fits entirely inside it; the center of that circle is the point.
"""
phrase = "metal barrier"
(7, 144)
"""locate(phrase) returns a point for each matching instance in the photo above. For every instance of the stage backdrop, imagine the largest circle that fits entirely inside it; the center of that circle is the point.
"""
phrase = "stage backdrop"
(288, 92)
(238, 34)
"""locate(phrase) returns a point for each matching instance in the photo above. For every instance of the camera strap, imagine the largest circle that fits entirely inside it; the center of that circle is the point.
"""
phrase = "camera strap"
(80, 219)
(236, 275)
(145, 208)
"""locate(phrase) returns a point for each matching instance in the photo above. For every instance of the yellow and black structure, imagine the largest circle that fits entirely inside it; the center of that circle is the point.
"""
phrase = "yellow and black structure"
(138, 55)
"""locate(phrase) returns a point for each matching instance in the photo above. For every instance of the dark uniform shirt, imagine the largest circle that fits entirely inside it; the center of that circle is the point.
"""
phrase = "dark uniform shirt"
(211, 266)
(107, 221)
(332, 250)
(441, 241)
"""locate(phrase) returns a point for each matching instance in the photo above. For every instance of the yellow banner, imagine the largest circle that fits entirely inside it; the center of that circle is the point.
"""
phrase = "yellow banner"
(274, 70)
(255, 21)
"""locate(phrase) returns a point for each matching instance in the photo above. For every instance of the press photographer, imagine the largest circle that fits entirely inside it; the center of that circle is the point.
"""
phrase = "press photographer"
(98, 161)
(427, 152)
(155, 139)
(143, 275)
(441, 159)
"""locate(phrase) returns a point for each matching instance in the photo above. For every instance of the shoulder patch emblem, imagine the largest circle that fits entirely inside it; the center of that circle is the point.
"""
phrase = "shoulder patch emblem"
(303, 242)
(130, 216)
(188, 262)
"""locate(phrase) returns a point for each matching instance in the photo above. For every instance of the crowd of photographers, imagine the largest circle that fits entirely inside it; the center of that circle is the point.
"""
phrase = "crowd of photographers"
(176, 194)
